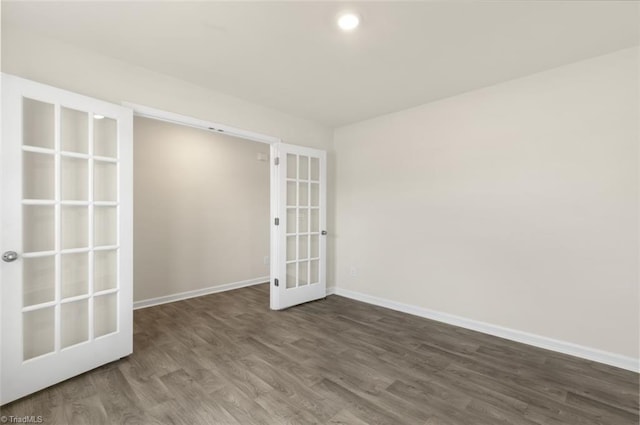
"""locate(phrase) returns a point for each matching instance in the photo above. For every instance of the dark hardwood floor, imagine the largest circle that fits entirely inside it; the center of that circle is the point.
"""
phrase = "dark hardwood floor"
(226, 359)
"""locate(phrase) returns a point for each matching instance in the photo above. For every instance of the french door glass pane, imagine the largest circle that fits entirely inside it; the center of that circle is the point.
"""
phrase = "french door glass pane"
(38, 228)
(74, 174)
(105, 320)
(105, 268)
(38, 280)
(315, 246)
(315, 195)
(291, 193)
(38, 332)
(38, 176)
(105, 137)
(292, 166)
(105, 180)
(291, 275)
(303, 220)
(75, 274)
(303, 194)
(105, 226)
(314, 172)
(314, 271)
(303, 173)
(303, 243)
(302, 272)
(291, 220)
(38, 123)
(74, 130)
(74, 323)
(291, 248)
(315, 221)
(74, 227)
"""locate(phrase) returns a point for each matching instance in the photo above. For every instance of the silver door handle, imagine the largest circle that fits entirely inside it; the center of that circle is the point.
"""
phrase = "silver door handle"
(9, 256)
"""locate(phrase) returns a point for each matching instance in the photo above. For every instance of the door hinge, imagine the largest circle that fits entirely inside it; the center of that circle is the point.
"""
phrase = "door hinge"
(276, 160)
(276, 282)
(277, 221)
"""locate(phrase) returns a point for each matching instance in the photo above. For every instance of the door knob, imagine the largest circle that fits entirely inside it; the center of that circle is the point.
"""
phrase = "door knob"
(9, 256)
(324, 232)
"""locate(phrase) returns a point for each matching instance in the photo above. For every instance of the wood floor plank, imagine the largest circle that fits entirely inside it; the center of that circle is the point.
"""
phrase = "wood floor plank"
(149, 390)
(241, 407)
(345, 417)
(86, 411)
(227, 359)
(362, 408)
(292, 388)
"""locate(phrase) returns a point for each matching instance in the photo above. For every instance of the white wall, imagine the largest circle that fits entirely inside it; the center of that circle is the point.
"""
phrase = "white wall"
(61, 65)
(515, 205)
(201, 216)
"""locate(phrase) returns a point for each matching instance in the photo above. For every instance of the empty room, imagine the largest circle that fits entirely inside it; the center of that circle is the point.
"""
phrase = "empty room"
(301, 212)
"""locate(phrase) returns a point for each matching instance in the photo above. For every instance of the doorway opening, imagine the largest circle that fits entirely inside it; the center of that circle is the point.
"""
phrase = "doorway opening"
(297, 218)
(202, 207)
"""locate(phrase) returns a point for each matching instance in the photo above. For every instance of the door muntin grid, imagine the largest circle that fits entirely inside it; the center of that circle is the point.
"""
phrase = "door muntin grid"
(302, 221)
(70, 227)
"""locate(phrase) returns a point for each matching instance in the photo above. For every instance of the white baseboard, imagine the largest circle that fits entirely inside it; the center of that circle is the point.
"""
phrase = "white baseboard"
(331, 290)
(612, 359)
(198, 292)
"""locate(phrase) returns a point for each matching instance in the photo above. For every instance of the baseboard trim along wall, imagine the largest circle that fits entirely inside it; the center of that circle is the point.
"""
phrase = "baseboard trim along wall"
(612, 359)
(198, 292)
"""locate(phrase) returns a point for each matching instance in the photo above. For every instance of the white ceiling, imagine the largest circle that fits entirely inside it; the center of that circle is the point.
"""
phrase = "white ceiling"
(290, 55)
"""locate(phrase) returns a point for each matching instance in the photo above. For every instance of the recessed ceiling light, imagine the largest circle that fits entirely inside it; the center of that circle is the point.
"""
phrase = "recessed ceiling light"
(348, 21)
(98, 117)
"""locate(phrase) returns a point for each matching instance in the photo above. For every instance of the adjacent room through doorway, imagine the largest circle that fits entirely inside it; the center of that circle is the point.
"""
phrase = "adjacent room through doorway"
(201, 212)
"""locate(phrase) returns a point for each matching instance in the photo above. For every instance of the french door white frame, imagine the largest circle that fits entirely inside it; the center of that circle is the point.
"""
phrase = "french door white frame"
(296, 287)
(26, 376)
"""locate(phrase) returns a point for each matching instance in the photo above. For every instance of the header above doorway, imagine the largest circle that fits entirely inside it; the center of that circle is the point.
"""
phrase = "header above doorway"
(158, 114)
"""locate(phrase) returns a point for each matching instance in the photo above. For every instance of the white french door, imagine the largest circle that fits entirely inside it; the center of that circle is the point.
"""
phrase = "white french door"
(299, 237)
(66, 235)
